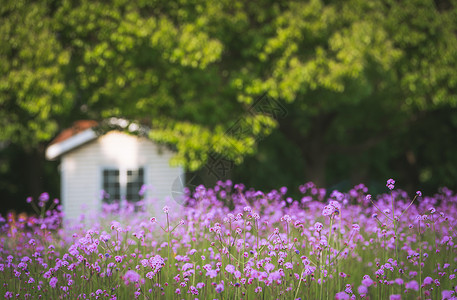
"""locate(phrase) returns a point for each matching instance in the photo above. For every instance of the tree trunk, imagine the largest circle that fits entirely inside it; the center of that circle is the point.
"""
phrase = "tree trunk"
(34, 176)
(315, 168)
(313, 146)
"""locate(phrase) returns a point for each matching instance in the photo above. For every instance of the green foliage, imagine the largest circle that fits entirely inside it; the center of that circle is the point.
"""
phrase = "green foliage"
(32, 85)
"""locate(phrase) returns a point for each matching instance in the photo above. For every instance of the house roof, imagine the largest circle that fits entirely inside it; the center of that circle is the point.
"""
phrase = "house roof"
(84, 131)
(77, 127)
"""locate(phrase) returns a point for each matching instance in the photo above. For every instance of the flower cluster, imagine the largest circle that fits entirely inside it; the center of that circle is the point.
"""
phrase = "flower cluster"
(337, 246)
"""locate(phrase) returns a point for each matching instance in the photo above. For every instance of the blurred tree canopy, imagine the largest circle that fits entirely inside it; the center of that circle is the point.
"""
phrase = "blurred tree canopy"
(368, 87)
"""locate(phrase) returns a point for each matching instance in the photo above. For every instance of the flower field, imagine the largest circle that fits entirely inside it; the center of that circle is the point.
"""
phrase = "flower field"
(230, 242)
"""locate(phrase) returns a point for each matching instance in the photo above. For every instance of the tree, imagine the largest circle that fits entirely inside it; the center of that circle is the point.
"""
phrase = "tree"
(355, 80)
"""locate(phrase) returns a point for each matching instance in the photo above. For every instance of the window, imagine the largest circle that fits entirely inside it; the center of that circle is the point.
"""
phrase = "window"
(122, 184)
(111, 186)
(135, 180)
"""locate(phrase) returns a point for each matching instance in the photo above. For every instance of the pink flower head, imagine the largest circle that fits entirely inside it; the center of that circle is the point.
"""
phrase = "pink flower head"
(446, 294)
(153, 220)
(395, 297)
(356, 227)
(428, 280)
(220, 287)
(44, 197)
(328, 210)
(211, 273)
(230, 269)
(132, 276)
(187, 266)
(269, 267)
(362, 290)
(341, 296)
(166, 209)
(286, 218)
(367, 281)
(412, 285)
(53, 282)
(335, 204)
(390, 184)
(318, 226)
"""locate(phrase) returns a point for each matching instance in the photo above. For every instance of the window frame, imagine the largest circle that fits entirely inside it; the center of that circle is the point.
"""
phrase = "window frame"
(123, 182)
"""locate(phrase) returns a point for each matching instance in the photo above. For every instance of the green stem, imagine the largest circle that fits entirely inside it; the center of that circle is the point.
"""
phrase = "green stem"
(395, 226)
(420, 260)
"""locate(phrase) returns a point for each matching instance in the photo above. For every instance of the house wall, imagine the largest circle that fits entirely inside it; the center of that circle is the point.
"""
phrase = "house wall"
(81, 171)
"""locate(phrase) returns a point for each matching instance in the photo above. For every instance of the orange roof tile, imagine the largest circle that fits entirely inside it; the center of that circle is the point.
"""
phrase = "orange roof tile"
(76, 128)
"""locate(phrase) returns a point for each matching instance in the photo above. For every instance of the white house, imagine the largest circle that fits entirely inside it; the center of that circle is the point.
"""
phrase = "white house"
(98, 162)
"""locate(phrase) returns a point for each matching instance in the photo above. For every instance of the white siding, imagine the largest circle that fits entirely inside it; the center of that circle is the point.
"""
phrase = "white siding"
(82, 171)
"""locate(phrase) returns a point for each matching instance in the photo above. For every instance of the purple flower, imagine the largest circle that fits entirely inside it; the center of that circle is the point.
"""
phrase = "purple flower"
(187, 266)
(419, 193)
(318, 226)
(395, 297)
(269, 267)
(211, 273)
(247, 209)
(328, 210)
(143, 189)
(53, 282)
(412, 285)
(44, 197)
(200, 285)
(341, 296)
(390, 184)
(230, 269)
(428, 280)
(166, 209)
(362, 290)
(220, 287)
(447, 294)
(367, 281)
(132, 276)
